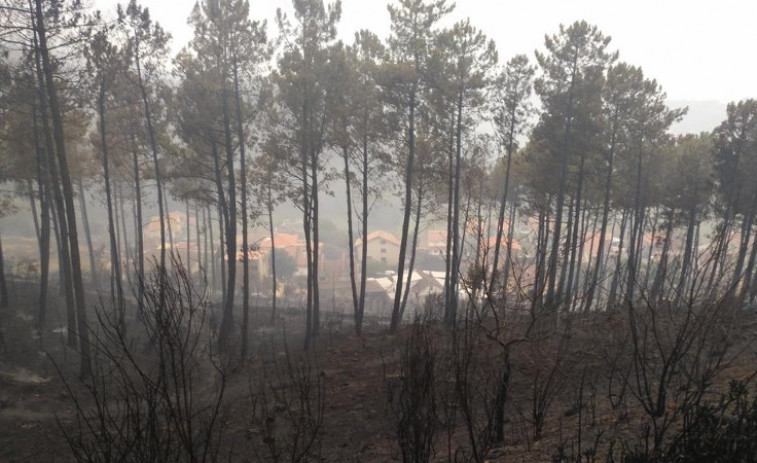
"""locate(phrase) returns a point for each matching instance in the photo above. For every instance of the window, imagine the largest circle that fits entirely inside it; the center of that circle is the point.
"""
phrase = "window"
(383, 260)
(383, 250)
(383, 241)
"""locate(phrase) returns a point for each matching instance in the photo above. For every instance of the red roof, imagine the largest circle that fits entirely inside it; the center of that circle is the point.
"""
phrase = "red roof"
(385, 235)
(493, 242)
(281, 240)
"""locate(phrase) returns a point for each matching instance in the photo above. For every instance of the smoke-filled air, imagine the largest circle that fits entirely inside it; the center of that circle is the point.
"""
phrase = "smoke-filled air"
(375, 231)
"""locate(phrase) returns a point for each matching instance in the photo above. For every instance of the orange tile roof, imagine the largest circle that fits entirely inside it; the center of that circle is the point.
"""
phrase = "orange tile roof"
(493, 242)
(379, 234)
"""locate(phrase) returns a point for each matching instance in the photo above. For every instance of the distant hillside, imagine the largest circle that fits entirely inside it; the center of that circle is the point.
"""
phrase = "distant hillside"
(703, 116)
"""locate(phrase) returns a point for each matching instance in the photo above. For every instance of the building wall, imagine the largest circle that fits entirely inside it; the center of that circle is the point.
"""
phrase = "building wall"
(381, 250)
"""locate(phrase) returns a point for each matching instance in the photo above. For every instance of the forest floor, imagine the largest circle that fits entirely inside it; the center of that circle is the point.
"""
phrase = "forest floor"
(358, 424)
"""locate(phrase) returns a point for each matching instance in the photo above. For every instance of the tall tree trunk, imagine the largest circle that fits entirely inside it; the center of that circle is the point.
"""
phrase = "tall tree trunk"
(551, 301)
(450, 206)
(221, 256)
(206, 243)
(351, 236)
(508, 250)
(116, 290)
(127, 251)
(162, 275)
(306, 221)
(169, 224)
(409, 281)
(64, 265)
(227, 322)
(409, 173)
(746, 232)
(33, 204)
(364, 236)
(577, 244)
(451, 315)
(479, 229)
(222, 211)
(650, 254)
(605, 216)
(687, 254)
(198, 240)
(212, 247)
(503, 202)
(616, 274)
(245, 245)
(3, 284)
(316, 247)
(588, 277)
(62, 238)
(60, 148)
(662, 268)
(87, 233)
(748, 273)
(43, 186)
(637, 229)
(269, 205)
(189, 239)
(721, 249)
(575, 279)
(138, 232)
(567, 245)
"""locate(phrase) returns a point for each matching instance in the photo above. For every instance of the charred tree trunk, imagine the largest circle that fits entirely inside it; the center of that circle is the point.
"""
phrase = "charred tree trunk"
(552, 302)
(451, 314)
(87, 233)
(116, 289)
(43, 186)
(33, 204)
(450, 198)
(409, 281)
(61, 225)
(139, 236)
(409, 173)
(662, 269)
(4, 300)
(158, 179)
(269, 205)
(245, 244)
(364, 243)
(351, 238)
(687, 257)
(618, 262)
(577, 244)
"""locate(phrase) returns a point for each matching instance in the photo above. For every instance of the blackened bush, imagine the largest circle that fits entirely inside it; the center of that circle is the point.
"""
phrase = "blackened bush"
(412, 396)
(163, 403)
(722, 432)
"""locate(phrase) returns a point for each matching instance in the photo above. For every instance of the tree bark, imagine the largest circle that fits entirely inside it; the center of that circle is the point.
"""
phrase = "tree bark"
(43, 186)
(269, 204)
(138, 233)
(162, 275)
(451, 315)
(245, 246)
(409, 172)
(116, 289)
(364, 235)
(87, 233)
(552, 266)
(409, 282)
(351, 237)
(61, 225)
(4, 300)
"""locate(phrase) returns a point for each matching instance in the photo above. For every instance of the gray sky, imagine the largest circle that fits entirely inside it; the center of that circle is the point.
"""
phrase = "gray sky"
(697, 50)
